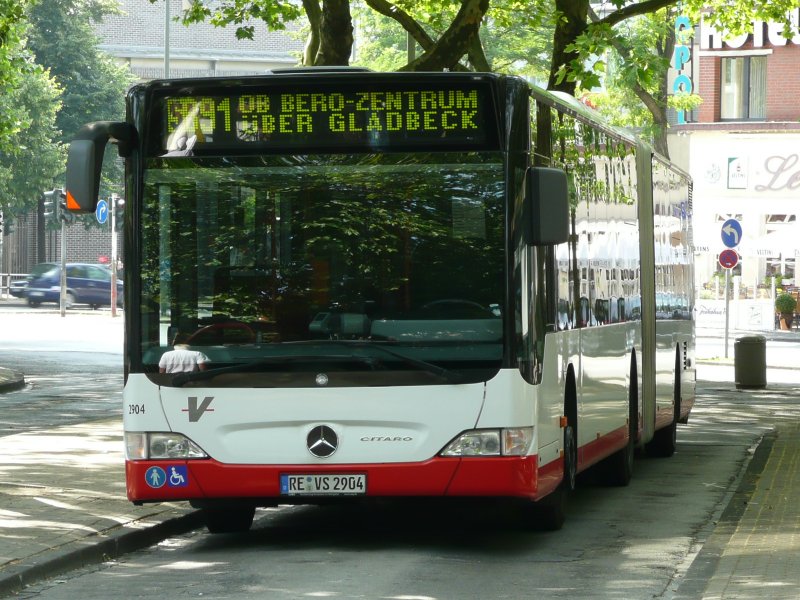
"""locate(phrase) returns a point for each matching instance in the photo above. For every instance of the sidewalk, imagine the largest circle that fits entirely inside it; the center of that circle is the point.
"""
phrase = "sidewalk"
(63, 503)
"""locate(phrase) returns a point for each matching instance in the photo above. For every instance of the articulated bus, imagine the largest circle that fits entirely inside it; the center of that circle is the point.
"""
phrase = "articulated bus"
(407, 285)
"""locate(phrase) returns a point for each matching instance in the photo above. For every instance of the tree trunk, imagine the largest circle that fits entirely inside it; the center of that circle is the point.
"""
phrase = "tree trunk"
(314, 15)
(455, 42)
(573, 22)
(335, 34)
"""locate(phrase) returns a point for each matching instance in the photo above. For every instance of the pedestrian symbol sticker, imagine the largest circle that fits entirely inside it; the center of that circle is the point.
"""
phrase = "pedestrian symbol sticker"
(178, 476)
(155, 477)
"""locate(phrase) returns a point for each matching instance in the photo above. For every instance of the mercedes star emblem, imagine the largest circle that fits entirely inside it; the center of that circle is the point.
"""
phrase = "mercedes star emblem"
(322, 441)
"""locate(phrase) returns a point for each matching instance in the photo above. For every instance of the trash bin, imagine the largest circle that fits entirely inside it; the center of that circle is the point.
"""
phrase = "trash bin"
(750, 361)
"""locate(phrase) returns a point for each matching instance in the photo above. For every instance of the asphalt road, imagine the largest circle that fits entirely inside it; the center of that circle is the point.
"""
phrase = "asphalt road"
(72, 366)
(622, 543)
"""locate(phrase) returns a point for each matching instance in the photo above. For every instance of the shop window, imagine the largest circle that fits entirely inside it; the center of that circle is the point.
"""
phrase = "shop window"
(743, 94)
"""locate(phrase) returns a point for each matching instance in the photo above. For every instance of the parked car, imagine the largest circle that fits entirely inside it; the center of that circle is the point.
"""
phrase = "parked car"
(86, 284)
(18, 287)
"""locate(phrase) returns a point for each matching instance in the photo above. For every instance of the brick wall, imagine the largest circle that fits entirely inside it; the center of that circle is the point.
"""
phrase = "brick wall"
(708, 89)
(84, 244)
(783, 84)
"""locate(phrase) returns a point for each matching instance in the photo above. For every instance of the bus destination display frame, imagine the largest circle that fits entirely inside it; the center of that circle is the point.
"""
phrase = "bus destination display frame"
(279, 116)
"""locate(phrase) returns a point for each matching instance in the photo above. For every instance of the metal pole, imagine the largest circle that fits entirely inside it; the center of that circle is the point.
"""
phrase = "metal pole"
(2, 235)
(113, 255)
(727, 305)
(63, 299)
(166, 38)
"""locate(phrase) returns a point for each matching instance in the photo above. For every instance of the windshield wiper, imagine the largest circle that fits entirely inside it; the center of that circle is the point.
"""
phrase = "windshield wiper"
(447, 374)
(450, 376)
(182, 378)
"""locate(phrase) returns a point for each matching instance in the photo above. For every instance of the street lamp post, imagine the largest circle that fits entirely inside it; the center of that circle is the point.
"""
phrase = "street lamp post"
(167, 18)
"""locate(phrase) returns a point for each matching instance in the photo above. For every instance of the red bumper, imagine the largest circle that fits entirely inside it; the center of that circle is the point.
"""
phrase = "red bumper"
(158, 481)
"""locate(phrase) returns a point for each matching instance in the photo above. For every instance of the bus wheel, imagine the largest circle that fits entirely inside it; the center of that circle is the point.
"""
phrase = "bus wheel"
(665, 441)
(229, 520)
(549, 513)
(570, 458)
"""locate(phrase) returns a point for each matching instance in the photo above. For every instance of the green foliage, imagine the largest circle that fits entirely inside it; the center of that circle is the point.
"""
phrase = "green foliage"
(275, 15)
(32, 156)
(63, 40)
(684, 101)
(785, 303)
(29, 100)
(15, 66)
(516, 37)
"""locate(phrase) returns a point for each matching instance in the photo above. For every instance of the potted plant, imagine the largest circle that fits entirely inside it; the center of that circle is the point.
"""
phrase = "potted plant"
(785, 305)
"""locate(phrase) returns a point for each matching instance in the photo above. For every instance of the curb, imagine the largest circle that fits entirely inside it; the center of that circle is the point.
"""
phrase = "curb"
(700, 572)
(94, 553)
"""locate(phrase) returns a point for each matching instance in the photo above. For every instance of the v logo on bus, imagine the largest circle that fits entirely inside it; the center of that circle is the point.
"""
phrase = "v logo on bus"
(195, 411)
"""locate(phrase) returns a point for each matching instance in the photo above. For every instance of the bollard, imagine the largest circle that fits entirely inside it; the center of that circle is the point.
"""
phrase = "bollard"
(750, 362)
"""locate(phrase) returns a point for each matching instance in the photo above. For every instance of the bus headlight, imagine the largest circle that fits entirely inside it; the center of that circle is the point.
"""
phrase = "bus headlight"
(491, 442)
(153, 446)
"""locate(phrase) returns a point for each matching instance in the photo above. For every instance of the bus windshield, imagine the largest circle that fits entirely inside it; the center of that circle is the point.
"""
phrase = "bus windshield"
(374, 269)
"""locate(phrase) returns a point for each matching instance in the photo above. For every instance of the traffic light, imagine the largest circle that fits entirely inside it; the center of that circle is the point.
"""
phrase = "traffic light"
(55, 205)
(50, 204)
(119, 211)
(63, 213)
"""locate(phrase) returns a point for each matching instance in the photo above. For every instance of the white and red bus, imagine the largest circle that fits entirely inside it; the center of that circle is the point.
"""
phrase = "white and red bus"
(406, 285)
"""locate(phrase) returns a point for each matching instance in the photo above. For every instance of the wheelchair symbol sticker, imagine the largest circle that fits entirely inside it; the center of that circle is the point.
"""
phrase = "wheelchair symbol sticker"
(178, 476)
(155, 477)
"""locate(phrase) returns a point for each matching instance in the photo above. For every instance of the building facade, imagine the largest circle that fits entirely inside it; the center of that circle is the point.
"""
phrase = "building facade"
(742, 148)
(136, 37)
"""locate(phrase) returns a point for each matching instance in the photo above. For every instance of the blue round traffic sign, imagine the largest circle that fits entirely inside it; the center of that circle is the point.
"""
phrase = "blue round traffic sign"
(731, 233)
(728, 259)
(101, 212)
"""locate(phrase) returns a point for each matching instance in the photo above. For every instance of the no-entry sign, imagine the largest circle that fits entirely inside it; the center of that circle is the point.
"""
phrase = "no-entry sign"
(728, 259)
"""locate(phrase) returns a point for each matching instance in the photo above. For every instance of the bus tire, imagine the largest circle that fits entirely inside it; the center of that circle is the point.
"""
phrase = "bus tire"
(619, 466)
(229, 519)
(665, 441)
(551, 511)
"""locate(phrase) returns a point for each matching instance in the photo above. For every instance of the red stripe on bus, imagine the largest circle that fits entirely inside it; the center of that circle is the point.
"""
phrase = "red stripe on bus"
(494, 477)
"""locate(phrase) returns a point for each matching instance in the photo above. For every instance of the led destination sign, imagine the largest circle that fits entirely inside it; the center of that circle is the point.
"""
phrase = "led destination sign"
(329, 118)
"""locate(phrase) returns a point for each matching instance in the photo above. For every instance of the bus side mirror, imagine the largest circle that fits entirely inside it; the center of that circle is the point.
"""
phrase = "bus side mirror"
(548, 206)
(85, 160)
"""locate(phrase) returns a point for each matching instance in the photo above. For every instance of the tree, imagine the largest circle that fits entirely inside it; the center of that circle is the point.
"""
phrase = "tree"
(93, 85)
(331, 30)
(15, 64)
(29, 100)
(645, 49)
(63, 40)
(463, 28)
(636, 93)
(34, 154)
